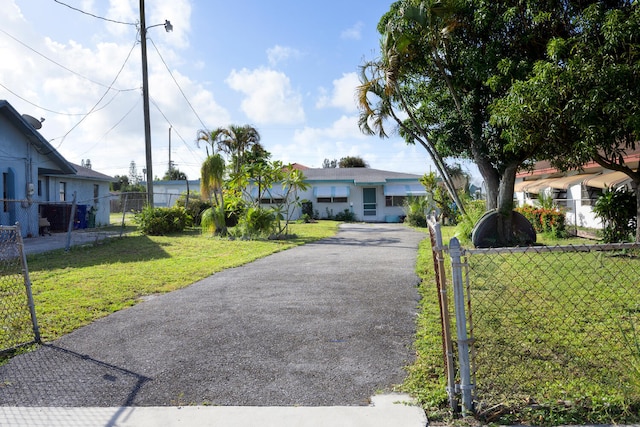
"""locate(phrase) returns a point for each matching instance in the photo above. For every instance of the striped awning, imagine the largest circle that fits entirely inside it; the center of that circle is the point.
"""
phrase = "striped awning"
(331, 191)
(607, 180)
(567, 181)
(405, 190)
(534, 186)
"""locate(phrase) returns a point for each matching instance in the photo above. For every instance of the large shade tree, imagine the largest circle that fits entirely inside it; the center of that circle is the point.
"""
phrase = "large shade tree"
(442, 65)
(582, 102)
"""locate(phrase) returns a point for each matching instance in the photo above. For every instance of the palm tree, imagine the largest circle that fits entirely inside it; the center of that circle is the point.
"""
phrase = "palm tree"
(235, 141)
(211, 183)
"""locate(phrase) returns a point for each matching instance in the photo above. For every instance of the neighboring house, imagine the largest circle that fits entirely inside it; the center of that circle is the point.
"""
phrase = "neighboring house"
(372, 195)
(37, 182)
(576, 191)
(166, 193)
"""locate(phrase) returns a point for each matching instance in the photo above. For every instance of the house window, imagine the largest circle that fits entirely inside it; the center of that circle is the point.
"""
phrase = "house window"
(39, 188)
(267, 201)
(560, 197)
(590, 195)
(63, 191)
(394, 200)
(332, 199)
(96, 192)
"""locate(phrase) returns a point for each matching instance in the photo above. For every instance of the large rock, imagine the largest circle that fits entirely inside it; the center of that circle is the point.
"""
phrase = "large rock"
(485, 233)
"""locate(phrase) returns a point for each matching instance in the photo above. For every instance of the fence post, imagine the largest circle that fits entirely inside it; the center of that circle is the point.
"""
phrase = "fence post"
(27, 285)
(443, 300)
(466, 387)
(72, 217)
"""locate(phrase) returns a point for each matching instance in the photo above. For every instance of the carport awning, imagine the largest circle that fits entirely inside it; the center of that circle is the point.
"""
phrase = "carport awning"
(331, 191)
(533, 187)
(405, 190)
(607, 180)
(567, 181)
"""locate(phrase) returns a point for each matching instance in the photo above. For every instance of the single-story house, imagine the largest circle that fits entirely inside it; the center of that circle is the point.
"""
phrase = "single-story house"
(166, 193)
(576, 191)
(372, 195)
(39, 184)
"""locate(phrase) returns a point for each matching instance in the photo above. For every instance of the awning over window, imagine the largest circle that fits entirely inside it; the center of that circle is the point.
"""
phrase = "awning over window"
(567, 181)
(405, 190)
(607, 180)
(331, 191)
(272, 193)
(537, 186)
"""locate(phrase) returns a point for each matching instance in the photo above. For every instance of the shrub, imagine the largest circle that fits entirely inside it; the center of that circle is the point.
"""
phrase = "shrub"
(415, 208)
(161, 221)
(255, 222)
(307, 208)
(346, 216)
(545, 220)
(195, 207)
(617, 210)
(464, 229)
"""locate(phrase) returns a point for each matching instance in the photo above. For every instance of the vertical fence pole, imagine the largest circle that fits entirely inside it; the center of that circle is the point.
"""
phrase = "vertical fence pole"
(466, 387)
(443, 299)
(27, 285)
(72, 217)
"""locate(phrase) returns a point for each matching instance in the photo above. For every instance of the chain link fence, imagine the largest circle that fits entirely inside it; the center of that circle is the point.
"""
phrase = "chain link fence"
(18, 325)
(544, 325)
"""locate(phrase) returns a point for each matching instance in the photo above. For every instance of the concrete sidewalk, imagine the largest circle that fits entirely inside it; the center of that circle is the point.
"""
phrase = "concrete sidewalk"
(386, 411)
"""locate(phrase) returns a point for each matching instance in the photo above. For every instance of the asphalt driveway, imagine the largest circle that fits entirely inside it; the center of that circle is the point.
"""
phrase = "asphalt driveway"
(328, 323)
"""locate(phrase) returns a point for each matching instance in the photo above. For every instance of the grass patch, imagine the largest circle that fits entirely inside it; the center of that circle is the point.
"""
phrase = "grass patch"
(555, 337)
(72, 289)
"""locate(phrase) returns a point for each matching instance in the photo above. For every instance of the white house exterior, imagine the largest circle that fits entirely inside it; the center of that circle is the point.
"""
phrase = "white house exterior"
(38, 182)
(166, 193)
(575, 192)
(372, 195)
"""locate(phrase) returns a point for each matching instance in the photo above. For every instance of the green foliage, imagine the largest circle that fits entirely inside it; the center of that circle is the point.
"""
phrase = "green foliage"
(352, 162)
(307, 208)
(162, 221)
(346, 216)
(256, 222)
(415, 209)
(617, 210)
(466, 223)
(545, 220)
(195, 207)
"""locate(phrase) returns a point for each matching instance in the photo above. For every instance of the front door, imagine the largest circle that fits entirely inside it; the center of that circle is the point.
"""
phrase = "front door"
(369, 199)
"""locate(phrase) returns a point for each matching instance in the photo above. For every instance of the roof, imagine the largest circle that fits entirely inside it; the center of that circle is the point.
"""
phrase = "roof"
(33, 136)
(358, 176)
(87, 173)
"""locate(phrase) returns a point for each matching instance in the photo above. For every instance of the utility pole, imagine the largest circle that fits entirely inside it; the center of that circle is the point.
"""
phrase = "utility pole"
(145, 102)
(170, 164)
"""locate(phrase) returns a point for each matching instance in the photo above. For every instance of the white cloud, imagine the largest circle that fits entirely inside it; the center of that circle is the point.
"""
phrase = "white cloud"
(343, 95)
(278, 54)
(353, 33)
(269, 97)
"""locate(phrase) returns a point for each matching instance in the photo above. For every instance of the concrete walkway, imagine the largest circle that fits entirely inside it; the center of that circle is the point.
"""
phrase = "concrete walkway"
(302, 337)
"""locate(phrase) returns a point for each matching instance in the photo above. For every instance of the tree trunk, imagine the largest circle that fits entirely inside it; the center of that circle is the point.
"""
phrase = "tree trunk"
(491, 182)
(505, 206)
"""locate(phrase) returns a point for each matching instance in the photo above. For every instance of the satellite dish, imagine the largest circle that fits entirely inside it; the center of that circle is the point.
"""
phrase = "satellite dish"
(37, 124)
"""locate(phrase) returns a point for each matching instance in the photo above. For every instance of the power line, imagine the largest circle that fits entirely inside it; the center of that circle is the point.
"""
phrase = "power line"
(52, 111)
(189, 147)
(102, 97)
(95, 16)
(62, 66)
(178, 85)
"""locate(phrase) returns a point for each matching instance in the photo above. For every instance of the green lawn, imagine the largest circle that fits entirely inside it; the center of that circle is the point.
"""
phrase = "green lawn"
(546, 355)
(74, 288)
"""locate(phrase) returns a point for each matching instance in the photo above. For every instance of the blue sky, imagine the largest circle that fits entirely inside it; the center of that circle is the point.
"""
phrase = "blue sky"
(287, 67)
